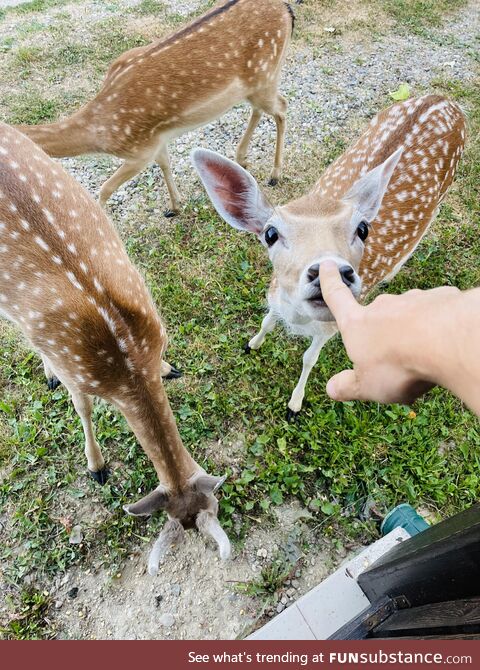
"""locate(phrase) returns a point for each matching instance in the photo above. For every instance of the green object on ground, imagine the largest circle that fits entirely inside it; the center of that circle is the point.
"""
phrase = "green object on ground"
(404, 516)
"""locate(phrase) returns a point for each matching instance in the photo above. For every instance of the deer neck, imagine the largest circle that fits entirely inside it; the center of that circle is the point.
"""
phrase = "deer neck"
(150, 416)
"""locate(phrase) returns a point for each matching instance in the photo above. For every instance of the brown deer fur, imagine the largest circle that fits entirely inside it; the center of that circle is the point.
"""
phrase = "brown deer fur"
(154, 93)
(67, 282)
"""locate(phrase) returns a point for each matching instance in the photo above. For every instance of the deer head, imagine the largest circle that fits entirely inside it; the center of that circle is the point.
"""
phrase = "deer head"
(297, 242)
(194, 507)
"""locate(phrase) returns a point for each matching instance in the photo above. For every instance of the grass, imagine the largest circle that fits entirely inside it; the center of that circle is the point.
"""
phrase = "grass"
(30, 622)
(417, 15)
(211, 284)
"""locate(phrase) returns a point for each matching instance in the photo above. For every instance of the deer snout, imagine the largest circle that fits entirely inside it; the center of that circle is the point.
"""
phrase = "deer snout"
(346, 272)
(313, 293)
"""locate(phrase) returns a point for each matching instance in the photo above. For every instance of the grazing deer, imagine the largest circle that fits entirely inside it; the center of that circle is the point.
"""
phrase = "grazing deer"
(368, 212)
(155, 93)
(67, 282)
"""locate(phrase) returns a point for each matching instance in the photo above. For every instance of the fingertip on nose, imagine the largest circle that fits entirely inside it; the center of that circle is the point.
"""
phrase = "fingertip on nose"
(329, 265)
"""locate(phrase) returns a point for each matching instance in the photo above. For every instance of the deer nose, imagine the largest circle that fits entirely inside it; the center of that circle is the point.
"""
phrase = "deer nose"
(348, 274)
(312, 272)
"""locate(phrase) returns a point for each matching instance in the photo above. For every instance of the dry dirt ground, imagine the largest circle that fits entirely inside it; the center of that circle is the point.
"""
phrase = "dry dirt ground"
(334, 77)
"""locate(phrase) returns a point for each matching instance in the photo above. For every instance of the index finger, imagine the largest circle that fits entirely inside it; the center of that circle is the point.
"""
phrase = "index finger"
(337, 296)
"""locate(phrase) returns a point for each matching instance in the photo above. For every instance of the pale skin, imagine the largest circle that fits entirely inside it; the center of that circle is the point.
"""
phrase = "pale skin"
(403, 345)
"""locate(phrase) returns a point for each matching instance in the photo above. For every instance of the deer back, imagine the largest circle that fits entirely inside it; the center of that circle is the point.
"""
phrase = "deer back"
(65, 278)
(431, 130)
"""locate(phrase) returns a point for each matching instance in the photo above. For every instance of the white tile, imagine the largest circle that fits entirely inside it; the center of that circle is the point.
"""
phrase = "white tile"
(366, 558)
(332, 603)
(289, 625)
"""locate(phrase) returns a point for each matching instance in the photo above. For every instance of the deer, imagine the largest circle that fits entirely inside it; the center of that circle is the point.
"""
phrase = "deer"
(155, 93)
(66, 281)
(368, 212)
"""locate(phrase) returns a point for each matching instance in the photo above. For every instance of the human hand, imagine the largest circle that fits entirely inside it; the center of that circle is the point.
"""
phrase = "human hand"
(388, 341)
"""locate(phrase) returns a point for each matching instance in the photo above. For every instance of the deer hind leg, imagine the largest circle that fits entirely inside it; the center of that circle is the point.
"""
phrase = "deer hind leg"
(168, 371)
(83, 404)
(52, 380)
(245, 141)
(124, 173)
(310, 357)
(279, 115)
(268, 324)
(164, 163)
(275, 105)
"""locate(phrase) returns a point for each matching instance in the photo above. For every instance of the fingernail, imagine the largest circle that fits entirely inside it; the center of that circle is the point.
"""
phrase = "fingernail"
(331, 390)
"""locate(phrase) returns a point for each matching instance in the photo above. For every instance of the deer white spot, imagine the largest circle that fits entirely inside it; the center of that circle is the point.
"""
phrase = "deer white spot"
(41, 243)
(74, 280)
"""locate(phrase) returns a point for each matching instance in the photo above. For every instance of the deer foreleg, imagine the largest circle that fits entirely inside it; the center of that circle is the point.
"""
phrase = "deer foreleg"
(310, 357)
(268, 324)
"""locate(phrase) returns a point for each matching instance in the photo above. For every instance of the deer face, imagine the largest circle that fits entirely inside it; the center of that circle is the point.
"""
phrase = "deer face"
(193, 506)
(298, 242)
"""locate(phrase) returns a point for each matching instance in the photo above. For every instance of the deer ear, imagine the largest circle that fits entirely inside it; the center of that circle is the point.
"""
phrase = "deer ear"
(367, 193)
(233, 191)
(153, 502)
(208, 484)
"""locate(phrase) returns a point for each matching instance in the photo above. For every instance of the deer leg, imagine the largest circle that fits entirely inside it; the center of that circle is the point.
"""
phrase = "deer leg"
(268, 324)
(52, 380)
(168, 371)
(279, 114)
(164, 162)
(310, 357)
(83, 404)
(125, 172)
(274, 105)
(245, 141)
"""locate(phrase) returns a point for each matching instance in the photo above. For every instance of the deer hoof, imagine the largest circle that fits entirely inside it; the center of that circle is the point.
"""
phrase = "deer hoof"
(273, 181)
(169, 213)
(53, 383)
(174, 373)
(247, 349)
(100, 476)
(291, 415)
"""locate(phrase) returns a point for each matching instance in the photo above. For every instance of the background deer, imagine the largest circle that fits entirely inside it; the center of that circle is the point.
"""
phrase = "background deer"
(368, 212)
(155, 93)
(67, 282)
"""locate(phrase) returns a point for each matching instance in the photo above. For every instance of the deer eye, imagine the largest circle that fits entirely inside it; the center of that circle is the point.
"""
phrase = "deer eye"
(362, 230)
(271, 236)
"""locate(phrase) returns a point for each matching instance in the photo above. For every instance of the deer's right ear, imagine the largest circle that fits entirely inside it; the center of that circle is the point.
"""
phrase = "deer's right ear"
(233, 191)
(153, 502)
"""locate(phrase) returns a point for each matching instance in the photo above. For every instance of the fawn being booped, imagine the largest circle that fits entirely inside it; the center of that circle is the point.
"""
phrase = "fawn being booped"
(368, 212)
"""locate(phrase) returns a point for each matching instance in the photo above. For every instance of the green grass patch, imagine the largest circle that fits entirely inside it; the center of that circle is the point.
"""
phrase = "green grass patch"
(417, 15)
(36, 6)
(32, 108)
(29, 622)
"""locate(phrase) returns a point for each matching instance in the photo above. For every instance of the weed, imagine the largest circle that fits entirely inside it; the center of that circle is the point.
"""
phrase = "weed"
(29, 622)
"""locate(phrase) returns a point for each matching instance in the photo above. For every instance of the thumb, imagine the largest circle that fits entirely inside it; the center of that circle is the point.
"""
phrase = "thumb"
(343, 386)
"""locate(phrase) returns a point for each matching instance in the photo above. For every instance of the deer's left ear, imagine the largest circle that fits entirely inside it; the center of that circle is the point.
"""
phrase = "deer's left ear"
(153, 502)
(233, 191)
(368, 192)
(207, 483)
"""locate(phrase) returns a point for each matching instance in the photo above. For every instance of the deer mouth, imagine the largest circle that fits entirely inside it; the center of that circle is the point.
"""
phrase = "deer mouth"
(317, 300)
